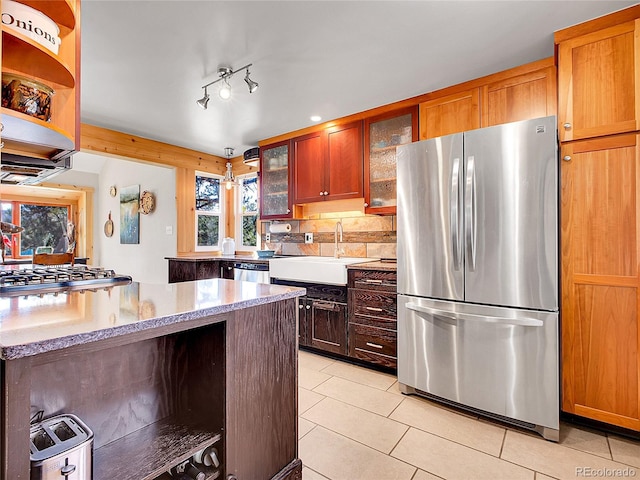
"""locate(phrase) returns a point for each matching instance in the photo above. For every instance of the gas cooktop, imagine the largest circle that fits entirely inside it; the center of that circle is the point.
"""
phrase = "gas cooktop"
(57, 279)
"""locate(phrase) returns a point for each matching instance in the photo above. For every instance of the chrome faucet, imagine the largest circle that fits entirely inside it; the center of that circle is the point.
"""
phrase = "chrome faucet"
(338, 251)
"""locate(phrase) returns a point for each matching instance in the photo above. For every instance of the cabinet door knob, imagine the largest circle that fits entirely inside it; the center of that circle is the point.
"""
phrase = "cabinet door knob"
(567, 158)
(326, 193)
(308, 307)
(567, 126)
(366, 204)
(321, 193)
(300, 306)
(288, 210)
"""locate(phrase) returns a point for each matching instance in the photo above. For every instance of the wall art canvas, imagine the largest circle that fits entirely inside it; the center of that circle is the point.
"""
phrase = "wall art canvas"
(129, 215)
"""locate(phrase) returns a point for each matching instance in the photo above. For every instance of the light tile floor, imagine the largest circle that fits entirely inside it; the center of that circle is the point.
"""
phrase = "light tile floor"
(354, 424)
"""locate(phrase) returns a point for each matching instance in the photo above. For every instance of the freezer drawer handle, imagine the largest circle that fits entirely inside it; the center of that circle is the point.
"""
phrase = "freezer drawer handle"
(520, 322)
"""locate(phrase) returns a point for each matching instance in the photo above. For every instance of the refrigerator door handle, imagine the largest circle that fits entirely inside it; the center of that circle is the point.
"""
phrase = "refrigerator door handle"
(454, 215)
(470, 211)
(519, 322)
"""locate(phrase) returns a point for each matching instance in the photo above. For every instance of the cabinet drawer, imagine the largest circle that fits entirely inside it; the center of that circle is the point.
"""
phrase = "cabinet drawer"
(385, 280)
(376, 345)
(373, 303)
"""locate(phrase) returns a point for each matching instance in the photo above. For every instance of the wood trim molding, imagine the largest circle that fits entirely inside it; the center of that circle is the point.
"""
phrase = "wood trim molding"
(410, 102)
(130, 147)
(600, 23)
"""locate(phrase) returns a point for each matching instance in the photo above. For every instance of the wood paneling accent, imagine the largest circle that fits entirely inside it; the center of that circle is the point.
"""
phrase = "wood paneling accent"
(453, 113)
(185, 210)
(109, 142)
(599, 91)
(600, 204)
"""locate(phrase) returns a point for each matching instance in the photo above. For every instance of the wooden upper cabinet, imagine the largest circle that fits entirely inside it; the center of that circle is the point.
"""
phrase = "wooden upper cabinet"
(24, 134)
(521, 97)
(600, 181)
(275, 184)
(328, 165)
(309, 168)
(453, 113)
(344, 171)
(382, 135)
(598, 82)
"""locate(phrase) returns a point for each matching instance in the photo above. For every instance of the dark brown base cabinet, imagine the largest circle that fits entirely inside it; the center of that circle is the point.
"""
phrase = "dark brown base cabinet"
(323, 325)
(155, 397)
(373, 316)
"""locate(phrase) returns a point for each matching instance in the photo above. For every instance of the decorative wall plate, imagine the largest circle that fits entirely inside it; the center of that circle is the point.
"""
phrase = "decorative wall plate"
(147, 202)
(108, 226)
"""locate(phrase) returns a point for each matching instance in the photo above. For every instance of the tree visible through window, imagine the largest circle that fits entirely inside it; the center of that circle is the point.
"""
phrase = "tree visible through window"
(208, 212)
(247, 215)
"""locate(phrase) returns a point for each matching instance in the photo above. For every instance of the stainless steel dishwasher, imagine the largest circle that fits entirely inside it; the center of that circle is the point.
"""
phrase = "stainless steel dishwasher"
(251, 272)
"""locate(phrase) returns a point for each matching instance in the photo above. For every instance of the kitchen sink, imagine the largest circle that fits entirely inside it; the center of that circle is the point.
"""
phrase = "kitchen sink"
(329, 270)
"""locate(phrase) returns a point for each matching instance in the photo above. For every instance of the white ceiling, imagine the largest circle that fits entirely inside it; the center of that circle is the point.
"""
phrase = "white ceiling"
(144, 62)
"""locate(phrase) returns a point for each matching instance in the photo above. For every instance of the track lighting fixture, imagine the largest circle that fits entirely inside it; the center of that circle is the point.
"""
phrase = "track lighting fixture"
(225, 73)
(229, 180)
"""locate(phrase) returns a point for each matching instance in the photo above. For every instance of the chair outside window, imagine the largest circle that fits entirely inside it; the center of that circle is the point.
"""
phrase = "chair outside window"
(53, 258)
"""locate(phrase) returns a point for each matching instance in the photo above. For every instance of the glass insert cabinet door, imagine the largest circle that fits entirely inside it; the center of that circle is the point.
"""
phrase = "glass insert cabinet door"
(382, 135)
(275, 166)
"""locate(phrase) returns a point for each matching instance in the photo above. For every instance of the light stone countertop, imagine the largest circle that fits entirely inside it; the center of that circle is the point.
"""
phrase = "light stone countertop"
(32, 325)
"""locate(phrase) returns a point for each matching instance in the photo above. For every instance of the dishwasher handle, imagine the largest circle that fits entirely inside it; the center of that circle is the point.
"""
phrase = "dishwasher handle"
(519, 322)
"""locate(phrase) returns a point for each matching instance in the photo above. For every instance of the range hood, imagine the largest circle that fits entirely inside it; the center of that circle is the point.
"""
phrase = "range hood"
(20, 170)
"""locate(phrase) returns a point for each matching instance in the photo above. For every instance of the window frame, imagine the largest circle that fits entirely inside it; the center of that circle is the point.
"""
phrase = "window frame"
(239, 215)
(221, 215)
(16, 219)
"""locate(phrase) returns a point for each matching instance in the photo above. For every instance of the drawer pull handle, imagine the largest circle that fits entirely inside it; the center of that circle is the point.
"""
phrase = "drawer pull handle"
(371, 280)
(374, 309)
(374, 345)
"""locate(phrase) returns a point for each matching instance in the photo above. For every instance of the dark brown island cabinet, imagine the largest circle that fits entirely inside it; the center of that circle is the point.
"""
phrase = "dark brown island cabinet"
(217, 366)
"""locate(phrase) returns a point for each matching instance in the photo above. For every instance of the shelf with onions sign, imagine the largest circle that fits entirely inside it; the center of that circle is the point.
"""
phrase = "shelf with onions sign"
(31, 23)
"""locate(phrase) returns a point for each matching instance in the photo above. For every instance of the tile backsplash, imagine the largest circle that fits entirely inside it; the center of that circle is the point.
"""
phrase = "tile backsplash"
(363, 235)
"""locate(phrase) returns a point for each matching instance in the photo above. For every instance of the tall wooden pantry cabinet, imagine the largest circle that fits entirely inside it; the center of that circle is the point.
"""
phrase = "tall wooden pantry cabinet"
(600, 214)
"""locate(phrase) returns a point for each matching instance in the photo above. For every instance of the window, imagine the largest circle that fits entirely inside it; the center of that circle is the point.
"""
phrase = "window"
(44, 225)
(209, 209)
(247, 212)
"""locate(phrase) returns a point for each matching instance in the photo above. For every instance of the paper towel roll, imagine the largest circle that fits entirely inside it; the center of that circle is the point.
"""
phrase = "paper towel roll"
(280, 227)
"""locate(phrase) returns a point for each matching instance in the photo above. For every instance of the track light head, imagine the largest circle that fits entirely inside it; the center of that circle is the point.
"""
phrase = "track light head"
(204, 100)
(253, 86)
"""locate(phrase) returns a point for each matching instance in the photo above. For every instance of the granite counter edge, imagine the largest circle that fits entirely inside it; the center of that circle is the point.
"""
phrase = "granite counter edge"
(14, 352)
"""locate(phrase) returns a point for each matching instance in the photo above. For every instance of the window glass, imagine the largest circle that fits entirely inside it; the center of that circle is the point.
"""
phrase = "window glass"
(247, 216)
(209, 208)
(44, 225)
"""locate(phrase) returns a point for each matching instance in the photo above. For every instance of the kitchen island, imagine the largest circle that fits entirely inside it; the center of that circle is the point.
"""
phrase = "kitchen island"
(157, 372)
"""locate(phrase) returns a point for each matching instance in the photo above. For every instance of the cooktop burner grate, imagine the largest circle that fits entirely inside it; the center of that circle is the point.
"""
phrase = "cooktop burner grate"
(39, 280)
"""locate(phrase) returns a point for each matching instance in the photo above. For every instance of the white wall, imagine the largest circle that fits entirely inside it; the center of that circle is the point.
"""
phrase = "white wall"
(145, 261)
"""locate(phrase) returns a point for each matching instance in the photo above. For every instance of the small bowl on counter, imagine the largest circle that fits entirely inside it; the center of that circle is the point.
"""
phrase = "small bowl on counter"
(265, 253)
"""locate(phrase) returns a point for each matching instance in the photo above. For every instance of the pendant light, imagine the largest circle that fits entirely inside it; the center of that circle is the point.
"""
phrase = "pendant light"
(229, 180)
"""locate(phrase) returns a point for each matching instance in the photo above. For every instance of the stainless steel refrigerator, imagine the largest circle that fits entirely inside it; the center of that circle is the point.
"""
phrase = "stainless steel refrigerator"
(478, 271)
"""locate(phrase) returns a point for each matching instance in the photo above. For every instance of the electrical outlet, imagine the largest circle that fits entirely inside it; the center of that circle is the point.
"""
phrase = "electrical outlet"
(308, 237)
(267, 237)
